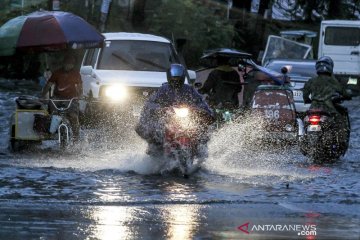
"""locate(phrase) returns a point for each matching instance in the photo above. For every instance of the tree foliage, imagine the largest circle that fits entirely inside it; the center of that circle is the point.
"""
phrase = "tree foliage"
(193, 21)
(204, 23)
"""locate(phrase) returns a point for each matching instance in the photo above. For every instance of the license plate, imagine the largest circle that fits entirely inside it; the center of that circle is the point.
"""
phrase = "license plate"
(314, 128)
(297, 93)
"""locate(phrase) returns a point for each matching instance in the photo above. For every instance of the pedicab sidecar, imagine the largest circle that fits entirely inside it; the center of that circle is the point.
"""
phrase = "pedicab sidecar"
(32, 123)
(274, 107)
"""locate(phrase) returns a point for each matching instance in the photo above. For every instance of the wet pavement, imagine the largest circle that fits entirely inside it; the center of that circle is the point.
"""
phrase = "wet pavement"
(108, 188)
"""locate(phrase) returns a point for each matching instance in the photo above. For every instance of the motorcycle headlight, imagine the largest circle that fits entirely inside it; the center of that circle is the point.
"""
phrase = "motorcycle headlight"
(116, 92)
(181, 112)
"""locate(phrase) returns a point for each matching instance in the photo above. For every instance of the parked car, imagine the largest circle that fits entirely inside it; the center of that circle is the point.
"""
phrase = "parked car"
(119, 77)
(299, 71)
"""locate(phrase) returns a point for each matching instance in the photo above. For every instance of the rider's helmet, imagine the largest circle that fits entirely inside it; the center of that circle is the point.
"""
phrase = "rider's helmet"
(176, 76)
(324, 65)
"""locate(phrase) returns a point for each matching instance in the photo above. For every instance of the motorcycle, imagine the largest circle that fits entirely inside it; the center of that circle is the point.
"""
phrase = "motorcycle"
(184, 129)
(32, 123)
(326, 137)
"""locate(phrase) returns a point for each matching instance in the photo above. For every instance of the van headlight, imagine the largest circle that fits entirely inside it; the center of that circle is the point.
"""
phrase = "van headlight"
(116, 92)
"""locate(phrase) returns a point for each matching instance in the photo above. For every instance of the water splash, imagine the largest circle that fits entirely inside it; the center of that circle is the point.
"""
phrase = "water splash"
(237, 151)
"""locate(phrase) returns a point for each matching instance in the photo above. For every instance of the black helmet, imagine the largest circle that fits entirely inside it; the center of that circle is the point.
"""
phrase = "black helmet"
(176, 76)
(324, 65)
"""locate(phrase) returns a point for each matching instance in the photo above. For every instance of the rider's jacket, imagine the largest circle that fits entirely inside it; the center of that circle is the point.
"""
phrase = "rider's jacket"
(321, 89)
(150, 121)
(66, 83)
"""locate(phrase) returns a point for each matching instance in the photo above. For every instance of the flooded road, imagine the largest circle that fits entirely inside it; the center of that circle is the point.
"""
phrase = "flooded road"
(108, 188)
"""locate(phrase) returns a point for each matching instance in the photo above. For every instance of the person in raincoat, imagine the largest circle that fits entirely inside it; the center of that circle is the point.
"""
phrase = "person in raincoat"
(222, 85)
(68, 85)
(151, 126)
(323, 87)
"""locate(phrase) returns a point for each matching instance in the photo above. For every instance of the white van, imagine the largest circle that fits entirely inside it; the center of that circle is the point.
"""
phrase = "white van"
(120, 76)
(340, 40)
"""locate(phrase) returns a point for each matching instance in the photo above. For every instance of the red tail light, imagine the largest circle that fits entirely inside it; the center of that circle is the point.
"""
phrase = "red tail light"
(314, 119)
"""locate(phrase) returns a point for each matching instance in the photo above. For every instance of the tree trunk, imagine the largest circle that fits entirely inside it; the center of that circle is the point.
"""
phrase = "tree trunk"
(335, 9)
(242, 4)
(50, 5)
(138, 14)
(308, 9)
(263, 5)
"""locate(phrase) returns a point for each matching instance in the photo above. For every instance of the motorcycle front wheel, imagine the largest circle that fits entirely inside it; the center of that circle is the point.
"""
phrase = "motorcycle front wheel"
(185, 158)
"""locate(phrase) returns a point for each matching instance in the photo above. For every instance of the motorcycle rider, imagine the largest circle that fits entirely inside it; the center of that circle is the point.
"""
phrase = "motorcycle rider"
(323, 87)
(222, 85)
(175, 91)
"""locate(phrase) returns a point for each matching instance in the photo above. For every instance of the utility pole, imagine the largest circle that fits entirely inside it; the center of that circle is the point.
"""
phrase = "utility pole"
(105, 5)
(229, 6)
(56, 5)
(53, 5)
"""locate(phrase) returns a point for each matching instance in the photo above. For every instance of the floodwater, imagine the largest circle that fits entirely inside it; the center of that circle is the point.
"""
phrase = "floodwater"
(108, 188)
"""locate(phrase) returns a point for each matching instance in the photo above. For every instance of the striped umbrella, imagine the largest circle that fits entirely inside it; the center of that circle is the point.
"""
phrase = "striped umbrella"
(44, 31)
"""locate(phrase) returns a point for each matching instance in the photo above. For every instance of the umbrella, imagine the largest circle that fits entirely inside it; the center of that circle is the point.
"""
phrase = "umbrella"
(236, 57)
(44, 31)
(225, 52)
(209, 58)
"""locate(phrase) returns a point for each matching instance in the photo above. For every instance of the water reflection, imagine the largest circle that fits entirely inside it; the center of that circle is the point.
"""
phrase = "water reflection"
(112, 222)
(182, 221)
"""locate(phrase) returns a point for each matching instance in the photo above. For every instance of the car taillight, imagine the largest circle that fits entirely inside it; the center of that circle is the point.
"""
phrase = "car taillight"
(314, 119)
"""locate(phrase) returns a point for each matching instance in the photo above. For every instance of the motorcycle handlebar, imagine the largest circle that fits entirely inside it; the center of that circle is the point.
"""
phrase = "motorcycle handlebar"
(55, 101)
(339, 99)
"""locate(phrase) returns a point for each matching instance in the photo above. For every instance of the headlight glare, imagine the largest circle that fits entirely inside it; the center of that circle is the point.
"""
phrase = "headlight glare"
(181, 112)
(116, 92)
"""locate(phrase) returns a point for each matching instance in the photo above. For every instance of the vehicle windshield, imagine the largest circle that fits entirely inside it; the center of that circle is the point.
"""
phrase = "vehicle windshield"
(278, 47)
(302, 69)
(136, 56)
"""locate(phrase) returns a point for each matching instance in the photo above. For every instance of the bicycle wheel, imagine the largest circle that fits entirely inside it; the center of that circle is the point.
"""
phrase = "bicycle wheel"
(65, 135)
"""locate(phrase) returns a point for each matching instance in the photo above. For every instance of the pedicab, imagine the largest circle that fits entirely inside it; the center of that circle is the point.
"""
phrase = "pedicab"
(36, 33)
(226, 112)
(32, 123)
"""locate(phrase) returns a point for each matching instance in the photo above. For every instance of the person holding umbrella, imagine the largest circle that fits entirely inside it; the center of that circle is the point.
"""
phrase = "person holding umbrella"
(67, 85)
(222, 85)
